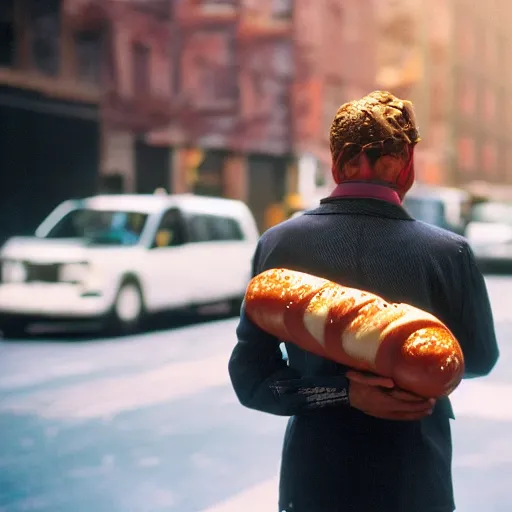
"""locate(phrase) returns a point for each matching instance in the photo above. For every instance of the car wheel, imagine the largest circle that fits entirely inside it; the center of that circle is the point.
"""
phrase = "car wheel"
(128, 310)
(13, 328)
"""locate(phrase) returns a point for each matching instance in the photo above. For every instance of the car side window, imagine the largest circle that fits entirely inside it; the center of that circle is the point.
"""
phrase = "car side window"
(213, 228)
(171, 230)
(200, 228)
(226, 229)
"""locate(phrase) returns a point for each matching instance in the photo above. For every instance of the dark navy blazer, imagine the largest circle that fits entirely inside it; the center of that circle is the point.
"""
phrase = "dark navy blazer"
(335, 458)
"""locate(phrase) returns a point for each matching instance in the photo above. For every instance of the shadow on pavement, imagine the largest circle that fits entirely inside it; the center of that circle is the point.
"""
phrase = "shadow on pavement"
(87, 332)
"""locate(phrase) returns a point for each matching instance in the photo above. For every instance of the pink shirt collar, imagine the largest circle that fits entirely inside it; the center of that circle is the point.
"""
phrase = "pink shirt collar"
(366, 190)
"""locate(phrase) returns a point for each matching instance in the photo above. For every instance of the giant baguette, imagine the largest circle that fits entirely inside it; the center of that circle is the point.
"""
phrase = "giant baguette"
(357, 329)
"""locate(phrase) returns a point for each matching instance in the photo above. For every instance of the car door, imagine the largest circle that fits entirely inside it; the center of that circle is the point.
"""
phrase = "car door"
(168, 267)
(234, 256)
(220, 257)
(205, 259)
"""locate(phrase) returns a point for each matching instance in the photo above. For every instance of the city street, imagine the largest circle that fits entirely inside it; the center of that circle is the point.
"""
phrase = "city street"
(149, 423)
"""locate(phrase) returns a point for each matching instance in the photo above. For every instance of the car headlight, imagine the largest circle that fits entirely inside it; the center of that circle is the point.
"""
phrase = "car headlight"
(74, 272)
(14, 272)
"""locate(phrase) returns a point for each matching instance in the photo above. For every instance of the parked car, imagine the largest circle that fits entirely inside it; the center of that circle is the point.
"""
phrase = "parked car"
(117, 258)
(489, 233)
(445, 207)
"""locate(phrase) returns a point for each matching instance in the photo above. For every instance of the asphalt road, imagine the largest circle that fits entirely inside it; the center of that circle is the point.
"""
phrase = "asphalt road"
(149, 423)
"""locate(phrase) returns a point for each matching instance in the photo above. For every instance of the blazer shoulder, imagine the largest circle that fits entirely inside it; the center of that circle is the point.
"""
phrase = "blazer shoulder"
(441, 236)
(285, 228)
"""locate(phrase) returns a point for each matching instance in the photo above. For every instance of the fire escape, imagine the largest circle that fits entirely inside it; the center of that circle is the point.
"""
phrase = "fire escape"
(136, 93)
(212, 73)
(266, 70)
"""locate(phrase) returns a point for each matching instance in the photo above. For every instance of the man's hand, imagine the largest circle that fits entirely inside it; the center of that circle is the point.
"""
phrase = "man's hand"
(378, 396)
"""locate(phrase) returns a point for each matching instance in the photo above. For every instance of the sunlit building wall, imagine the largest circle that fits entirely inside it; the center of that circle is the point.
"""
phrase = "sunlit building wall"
(450, 58)
(236, 98)
(482, 108)
(335, 42)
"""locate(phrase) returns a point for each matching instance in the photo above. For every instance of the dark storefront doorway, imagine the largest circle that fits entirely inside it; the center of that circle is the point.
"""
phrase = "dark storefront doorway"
(267, 185)
(152, 167)
(210, 174)
(49, 152)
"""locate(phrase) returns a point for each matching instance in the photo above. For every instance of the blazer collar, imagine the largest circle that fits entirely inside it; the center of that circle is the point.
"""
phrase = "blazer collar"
(360, 206)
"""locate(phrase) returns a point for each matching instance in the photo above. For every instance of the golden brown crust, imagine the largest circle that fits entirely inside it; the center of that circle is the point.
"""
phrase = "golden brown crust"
(378, 116)
(433, 359)
(395, 340)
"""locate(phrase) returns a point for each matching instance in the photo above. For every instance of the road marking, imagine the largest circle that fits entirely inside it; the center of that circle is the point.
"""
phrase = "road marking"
(262, 496)
(105, 398)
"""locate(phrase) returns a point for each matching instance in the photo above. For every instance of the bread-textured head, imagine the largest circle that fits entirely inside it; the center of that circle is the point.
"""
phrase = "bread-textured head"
(378, 116)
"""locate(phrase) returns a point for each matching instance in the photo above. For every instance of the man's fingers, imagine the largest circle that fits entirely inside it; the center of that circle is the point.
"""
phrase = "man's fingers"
(400, 394)
(411, 416)
(370, 380)
(411, 407)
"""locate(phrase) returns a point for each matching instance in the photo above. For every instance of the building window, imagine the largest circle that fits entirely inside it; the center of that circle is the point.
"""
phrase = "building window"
(282, 9)
(467, 96)
(489, 158)
(216, 5)
(211, 79)
(501, 50)
(501, 160)
(7, 34)
(352, 25)
(466, 39)
(45, 21)
(219, 84)
(489, 104)
(466, 153)
(490, 49)
(89, 53)
(160, 8)
(141, 69)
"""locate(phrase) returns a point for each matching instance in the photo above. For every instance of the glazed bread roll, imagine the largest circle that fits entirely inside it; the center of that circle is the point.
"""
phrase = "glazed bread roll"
(357, 329)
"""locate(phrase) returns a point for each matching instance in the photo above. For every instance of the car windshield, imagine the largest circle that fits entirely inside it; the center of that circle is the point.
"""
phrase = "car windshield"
(492, 212)
(101, 227)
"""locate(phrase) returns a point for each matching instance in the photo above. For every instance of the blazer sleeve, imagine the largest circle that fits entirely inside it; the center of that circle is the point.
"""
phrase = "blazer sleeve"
(477, 335)
(264, 381)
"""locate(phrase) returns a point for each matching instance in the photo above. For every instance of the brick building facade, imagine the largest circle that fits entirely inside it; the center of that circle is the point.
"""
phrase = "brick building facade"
(50, 94)
(208, 96)
(254, 85)
(482, 84)
(456, 74)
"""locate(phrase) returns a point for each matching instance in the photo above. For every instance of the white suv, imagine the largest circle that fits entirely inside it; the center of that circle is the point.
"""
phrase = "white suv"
(116, 258)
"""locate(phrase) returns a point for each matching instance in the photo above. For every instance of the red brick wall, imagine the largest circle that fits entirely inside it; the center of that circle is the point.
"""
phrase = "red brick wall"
(336, 49)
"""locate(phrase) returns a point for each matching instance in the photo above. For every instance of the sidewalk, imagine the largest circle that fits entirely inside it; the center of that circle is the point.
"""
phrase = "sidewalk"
(260, 498)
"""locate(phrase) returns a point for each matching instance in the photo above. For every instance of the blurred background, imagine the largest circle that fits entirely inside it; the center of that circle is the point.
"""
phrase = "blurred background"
(223, 108)
(235, 98)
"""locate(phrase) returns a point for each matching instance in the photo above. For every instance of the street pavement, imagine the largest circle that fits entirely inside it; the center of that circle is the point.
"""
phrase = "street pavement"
(149, 423)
